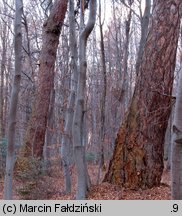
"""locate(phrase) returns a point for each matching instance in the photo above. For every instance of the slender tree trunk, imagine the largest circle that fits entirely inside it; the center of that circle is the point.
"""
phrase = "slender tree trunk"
(49, 131)
(125, 86)
(177, 141)
(117, 47)
(94, 99)
(66, 147)
(14, 101)
(167, 142)
(79, 148)
(144, 32)
(103, 99)
(35, 134)
(2, 84)
(2, 128)
(138, 155)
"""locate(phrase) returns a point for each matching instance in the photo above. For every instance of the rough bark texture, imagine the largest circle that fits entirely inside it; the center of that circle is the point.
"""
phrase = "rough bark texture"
(14, 102)
(35, 134)
(138, 155)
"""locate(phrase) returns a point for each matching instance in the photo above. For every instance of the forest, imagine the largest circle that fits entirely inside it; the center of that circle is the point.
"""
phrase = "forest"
(90, 99)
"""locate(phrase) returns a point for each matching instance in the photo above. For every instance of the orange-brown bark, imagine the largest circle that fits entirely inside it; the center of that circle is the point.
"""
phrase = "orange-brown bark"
(35, 134)
(138, 155)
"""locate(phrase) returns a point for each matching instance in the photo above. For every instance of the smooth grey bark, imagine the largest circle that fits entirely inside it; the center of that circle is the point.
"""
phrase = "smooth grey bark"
(66, 148)
(176, 157)
(79, 148)
(2, 82)
(167, 143)
(14, 101)
(117, 43)
(144, 31)
(103, 98)
(49, 137)
(125, 86)
(94, 99)
(176, 164)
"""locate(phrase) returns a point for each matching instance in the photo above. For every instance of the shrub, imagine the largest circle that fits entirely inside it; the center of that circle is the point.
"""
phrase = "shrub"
(3, 152)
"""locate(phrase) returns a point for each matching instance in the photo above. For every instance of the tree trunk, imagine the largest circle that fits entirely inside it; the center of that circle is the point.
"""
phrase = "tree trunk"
(177, 141)
(167, 142)
(4, 38)
(125, 86)
(35, 134)
(14, 102)
(67, 138)
(144, 31)
(138, 155)
(79, 148)
(50, 131)
(103, 97)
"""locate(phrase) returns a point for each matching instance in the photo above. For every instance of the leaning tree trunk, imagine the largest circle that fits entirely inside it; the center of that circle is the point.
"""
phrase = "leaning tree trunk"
(14, 102)
(79, 148)
(177, 141)
(138, 155)
(35, 134)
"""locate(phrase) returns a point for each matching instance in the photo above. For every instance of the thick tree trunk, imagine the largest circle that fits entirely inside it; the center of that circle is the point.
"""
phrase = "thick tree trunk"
(138, 155)
(79, 148)
(14, 102)
(35, 134)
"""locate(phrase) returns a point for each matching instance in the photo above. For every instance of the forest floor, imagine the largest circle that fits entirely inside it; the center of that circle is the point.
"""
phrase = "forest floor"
(51, 186)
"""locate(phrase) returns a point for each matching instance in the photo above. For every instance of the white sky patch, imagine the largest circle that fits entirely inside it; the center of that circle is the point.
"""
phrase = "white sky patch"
(107, 9)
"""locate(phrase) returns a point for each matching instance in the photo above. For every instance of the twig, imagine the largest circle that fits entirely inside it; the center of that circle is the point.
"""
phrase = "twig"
(166, 95)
